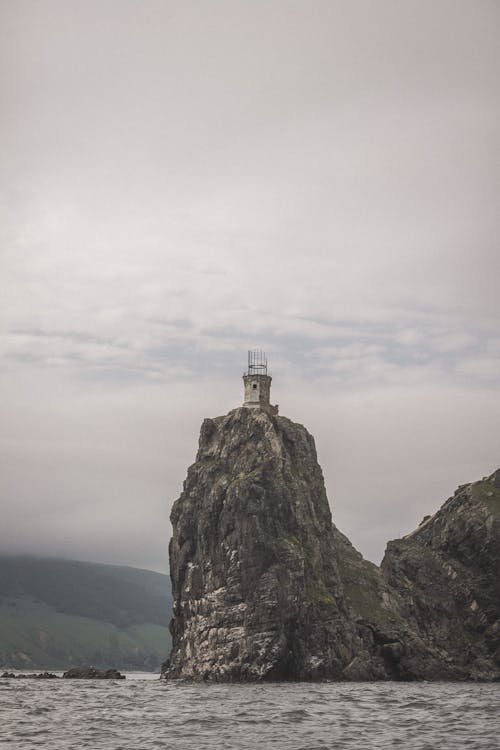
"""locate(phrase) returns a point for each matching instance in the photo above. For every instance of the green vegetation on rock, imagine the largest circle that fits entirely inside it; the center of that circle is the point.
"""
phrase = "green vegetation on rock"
(489, 494)
(363, 584)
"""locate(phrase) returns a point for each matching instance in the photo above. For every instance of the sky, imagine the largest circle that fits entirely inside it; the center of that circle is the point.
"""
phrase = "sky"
(182, 181)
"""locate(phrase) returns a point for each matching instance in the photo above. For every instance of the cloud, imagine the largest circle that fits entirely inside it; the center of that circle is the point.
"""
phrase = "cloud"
(481, 369)
(208, 180)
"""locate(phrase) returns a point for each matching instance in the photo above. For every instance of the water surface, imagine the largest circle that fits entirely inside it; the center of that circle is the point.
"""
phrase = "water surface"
(142, 713)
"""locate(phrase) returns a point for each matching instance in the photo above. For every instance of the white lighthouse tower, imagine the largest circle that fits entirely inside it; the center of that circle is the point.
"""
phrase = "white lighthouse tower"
(258, 383)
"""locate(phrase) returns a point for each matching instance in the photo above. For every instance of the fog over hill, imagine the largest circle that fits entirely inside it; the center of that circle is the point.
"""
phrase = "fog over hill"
(56, 613)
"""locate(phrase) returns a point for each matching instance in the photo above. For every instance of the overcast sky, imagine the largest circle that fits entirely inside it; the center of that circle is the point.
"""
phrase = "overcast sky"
(184, 180)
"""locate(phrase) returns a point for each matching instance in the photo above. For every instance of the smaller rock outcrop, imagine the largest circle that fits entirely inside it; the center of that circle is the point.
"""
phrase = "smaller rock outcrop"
(75, 673)
(447, 577)
(391, 648)
(91, 673)
(22, 676)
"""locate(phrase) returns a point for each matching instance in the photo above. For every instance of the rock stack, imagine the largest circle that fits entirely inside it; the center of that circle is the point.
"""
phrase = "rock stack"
(266, 588)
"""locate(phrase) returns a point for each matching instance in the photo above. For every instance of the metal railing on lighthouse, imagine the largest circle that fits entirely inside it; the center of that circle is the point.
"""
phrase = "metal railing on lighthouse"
(257, 362)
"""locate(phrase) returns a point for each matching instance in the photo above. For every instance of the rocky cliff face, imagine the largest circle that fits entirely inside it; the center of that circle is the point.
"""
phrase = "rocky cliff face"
(391, 646)
(447, 575)
(266, 588)
(256, 588)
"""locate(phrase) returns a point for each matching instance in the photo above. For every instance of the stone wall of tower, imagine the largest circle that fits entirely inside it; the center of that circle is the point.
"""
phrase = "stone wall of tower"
(258, 392)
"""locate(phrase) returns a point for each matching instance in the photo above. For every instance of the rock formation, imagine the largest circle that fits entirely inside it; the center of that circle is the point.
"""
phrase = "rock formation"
(75, 673)
(447, 575)
(392, 648)
(256, 589)
(266, 588)
(91, 673)
(22, 676)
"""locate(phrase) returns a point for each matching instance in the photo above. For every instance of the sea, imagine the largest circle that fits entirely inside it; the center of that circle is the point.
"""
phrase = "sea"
(143, 713)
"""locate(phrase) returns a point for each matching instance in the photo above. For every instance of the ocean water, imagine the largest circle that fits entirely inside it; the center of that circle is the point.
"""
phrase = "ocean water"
(142, 713)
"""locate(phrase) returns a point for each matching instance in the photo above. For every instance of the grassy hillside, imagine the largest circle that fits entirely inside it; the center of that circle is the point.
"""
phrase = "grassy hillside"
(58, 613)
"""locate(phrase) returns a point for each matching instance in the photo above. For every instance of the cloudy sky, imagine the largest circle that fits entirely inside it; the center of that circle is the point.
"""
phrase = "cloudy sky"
(183, 180)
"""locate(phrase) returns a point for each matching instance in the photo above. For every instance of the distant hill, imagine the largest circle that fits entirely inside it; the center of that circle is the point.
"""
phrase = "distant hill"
(57, 613)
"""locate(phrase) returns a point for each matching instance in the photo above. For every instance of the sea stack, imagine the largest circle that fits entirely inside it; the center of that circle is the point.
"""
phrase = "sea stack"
(256, 589)
(265, 587)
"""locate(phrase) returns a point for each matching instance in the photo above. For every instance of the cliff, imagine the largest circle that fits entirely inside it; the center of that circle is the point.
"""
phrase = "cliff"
(266, 588)
(256, 590)
(447, 575)
(392, 646)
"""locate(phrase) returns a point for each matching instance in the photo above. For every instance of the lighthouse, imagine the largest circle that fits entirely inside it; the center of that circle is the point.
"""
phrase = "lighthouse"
(258, 383)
